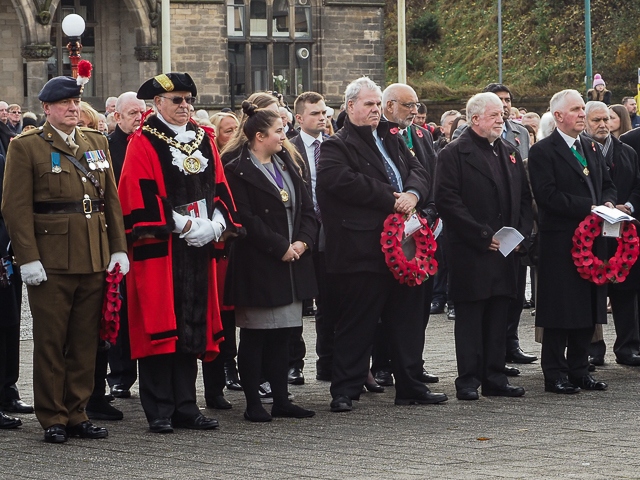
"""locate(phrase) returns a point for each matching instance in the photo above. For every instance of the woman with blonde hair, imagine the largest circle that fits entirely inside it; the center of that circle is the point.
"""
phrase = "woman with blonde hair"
(88, 116)
(225, 125)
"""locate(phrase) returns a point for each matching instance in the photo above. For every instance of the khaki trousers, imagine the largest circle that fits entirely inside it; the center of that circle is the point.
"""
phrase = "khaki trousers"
(66, 313)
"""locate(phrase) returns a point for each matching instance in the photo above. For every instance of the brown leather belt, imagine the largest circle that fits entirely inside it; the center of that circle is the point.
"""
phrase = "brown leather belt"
(85, 206)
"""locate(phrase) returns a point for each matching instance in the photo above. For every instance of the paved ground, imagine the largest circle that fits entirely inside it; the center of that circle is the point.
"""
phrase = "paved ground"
(592, 435)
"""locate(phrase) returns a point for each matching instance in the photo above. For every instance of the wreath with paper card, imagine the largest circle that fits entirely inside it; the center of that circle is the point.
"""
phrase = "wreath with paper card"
(410, 257)
(616, 268)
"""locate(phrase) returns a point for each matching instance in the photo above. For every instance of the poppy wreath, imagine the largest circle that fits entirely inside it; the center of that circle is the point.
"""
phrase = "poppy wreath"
(590, 267)
(110, 322)
(417, 270)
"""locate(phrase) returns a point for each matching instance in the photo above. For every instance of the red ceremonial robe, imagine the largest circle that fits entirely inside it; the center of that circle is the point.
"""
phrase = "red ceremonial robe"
(154, 328)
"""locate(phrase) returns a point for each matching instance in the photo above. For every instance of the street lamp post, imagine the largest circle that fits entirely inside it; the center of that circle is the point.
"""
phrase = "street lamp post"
(587, 34)
(73, 27)
(402, 43)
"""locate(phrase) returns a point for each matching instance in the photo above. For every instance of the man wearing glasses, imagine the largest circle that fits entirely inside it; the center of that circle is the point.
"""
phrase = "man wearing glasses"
(400, 106)
(177, 210)
(14, 122)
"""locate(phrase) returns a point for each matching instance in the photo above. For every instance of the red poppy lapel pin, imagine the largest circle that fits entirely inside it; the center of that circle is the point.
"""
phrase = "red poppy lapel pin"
(419, 133)
(394, 131)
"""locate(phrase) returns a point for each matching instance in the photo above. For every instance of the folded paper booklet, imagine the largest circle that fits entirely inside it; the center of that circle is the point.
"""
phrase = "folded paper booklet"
(612, 215)
(509, 239)
(195, 209)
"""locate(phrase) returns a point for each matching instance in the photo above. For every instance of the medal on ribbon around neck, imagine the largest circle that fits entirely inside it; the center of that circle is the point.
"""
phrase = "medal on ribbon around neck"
(284, 195)
(586, 171)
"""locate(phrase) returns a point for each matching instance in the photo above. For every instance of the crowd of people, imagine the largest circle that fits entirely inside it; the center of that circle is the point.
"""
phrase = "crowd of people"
(252, 219)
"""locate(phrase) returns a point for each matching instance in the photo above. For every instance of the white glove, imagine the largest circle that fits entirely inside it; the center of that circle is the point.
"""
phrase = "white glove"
(181, 221)
(206, 231)
(122, 259)
(33, 273)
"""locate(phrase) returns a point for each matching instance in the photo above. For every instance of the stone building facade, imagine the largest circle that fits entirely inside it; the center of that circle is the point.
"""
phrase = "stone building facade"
(230, 47)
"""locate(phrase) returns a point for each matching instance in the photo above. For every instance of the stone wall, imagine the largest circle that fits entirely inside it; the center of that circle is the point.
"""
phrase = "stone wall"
(11, 64)
(351, 46)
(199, 46)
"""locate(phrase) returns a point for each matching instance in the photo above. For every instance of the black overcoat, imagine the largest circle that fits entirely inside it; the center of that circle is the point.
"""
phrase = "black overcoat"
(564, 199)
(468, 202)
(355, 195)
(257, 276)
(625, 174)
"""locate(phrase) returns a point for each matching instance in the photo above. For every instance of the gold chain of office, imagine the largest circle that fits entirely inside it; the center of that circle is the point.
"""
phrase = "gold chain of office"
(187, 148)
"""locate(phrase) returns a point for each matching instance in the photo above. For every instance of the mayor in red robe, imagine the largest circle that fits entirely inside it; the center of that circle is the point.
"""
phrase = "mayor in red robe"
(177, 212)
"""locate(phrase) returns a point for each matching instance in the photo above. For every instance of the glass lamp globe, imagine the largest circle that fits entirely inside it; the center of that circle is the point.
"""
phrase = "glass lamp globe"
(73, 25)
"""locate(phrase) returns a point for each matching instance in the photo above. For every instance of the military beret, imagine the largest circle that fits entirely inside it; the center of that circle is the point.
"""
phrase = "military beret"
(59, 88)
(167, 82)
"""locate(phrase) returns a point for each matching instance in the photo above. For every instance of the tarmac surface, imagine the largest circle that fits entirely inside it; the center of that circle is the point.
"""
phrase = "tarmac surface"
(591, 435)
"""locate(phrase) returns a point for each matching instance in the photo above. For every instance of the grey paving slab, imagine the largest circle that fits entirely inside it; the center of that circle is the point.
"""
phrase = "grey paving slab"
(592, 435)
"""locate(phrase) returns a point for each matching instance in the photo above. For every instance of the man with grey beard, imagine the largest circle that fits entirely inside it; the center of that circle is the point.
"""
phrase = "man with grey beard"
(622, 162)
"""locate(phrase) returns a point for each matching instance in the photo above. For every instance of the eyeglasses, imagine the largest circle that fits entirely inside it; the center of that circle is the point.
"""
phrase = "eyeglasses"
(409, 105)
(18, 112)
(177, 100)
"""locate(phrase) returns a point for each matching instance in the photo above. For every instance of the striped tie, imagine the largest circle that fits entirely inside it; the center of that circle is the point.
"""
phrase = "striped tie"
(316, 157)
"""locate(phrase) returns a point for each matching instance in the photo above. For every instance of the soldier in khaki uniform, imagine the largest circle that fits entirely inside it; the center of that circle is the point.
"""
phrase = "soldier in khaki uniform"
(67, 230)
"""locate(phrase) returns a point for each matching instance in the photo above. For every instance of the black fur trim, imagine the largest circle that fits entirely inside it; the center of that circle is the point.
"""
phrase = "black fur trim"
(151, 250)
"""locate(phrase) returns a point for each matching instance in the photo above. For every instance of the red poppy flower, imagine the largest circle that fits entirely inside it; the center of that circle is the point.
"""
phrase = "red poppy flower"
(419, 133)
(394, 130)
(512, 158)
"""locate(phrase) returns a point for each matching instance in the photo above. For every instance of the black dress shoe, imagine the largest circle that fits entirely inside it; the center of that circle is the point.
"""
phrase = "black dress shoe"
(598, 361)
(588, 383)
(295, 376)
(120, 391)
(518, 356)
(99, 409)
(219, 403)
(384, 378)
(7, 422)
(18, 406)
(426, 377)
(437, 308)
(87, 429)
(55, 434)
(291, 410)
(591, 368)
(199, 422)
(161, 425)
(231, 380)
(467, 394)
(341, 403)
(257, 414)
(109, 398)
(373, 387)
(529, 304)
(561, 386)
(451, 314)
(425, 398)
(631, 360)
(511, 371)
(503, 391)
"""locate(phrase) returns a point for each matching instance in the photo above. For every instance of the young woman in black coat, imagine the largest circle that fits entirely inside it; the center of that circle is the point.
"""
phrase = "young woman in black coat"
(270, 270)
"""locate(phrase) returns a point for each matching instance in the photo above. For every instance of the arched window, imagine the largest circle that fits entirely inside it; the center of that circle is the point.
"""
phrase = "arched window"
(274, 52)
